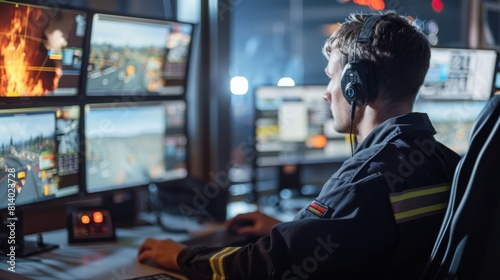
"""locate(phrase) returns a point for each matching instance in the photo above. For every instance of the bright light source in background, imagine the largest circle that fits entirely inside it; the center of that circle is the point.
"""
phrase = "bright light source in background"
(437, 6)
(433, 27)
(286, 82)
(376, 5)
(239, 85)
(433, 39)
(328, 29)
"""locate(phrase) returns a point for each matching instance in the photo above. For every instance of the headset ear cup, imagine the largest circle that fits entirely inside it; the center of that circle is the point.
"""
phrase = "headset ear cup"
(352, 85)
(361, 82)
(353, 92)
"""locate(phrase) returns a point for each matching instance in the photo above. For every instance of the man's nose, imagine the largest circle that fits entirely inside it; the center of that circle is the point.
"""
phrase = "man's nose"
(327, 96)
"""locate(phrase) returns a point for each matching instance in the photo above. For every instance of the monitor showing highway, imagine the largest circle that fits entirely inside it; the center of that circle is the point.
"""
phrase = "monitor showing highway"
(137, 56)
(39, 151)
(135, 145)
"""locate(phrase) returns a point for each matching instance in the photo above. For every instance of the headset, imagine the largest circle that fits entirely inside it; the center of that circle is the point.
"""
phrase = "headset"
(358, 82)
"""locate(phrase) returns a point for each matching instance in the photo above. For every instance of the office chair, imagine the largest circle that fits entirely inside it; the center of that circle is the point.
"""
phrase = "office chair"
(468, 244)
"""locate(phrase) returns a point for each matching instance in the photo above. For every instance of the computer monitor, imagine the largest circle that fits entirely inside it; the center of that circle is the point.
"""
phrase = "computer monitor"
(456, 88)
(134, 144)
(39, 153)
(463, 74)
(41, 50)
(452, 120)
(293, 134)
(39, 164)
(293, 125)
(137, 56)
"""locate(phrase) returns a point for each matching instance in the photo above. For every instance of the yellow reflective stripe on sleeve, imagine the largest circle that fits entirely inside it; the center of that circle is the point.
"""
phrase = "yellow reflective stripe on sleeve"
(420, 211)
(213, 261)
(413, 194)
(216, 262)
(421, 202)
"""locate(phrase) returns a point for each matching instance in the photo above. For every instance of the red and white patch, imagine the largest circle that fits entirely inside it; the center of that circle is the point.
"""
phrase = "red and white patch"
(317, 208)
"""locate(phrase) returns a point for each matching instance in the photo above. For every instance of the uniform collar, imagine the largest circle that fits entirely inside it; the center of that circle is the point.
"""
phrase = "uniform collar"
(397, 127)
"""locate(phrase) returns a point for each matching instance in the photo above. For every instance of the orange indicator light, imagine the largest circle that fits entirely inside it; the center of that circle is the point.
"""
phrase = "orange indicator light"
(98, 218)
(85, 219)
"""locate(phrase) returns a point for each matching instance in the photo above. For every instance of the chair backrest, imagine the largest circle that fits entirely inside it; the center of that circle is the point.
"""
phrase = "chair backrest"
(468, 244)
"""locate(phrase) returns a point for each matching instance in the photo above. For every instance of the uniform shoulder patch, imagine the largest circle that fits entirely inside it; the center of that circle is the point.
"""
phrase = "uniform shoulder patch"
(317, 208)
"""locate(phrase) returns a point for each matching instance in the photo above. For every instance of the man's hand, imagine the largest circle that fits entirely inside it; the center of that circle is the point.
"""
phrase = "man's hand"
(162, 252)
(253, 223)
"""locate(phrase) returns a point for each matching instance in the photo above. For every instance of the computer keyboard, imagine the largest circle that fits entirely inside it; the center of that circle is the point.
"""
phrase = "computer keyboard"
(221, 238)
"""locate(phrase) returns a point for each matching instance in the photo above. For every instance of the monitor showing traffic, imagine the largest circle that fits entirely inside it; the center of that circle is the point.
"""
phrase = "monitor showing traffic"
(134, 144)
(137, 56)
(41, 50)
(465, 74)
(39, 154)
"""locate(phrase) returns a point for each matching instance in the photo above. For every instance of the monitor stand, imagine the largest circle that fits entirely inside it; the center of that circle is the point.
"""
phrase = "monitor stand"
(13, 243)
(124, 206)
(157, 206)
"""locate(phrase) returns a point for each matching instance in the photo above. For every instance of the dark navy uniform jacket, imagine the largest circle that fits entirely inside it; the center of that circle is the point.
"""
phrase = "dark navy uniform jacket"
(377, 217)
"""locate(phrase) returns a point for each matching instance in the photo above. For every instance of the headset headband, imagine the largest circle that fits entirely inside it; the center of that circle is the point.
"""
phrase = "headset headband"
(367, 29)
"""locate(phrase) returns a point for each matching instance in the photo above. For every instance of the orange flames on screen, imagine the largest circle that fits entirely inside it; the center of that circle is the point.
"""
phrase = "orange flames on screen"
(22, 62)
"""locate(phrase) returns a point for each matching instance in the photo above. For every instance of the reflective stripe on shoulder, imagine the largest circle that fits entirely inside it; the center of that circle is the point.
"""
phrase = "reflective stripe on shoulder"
(216, 262)
(420, 202)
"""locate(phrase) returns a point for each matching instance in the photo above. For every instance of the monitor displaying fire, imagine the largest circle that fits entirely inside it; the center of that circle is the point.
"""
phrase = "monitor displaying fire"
(41, 50)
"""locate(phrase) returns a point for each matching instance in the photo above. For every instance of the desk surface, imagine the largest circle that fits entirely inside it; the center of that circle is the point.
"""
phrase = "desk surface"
(108, 260)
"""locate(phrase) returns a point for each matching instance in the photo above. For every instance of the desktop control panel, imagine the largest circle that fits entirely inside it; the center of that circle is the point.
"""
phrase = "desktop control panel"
(87, 225)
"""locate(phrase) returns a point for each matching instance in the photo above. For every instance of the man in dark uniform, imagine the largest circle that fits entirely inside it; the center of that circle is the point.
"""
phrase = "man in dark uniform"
(378, 215)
